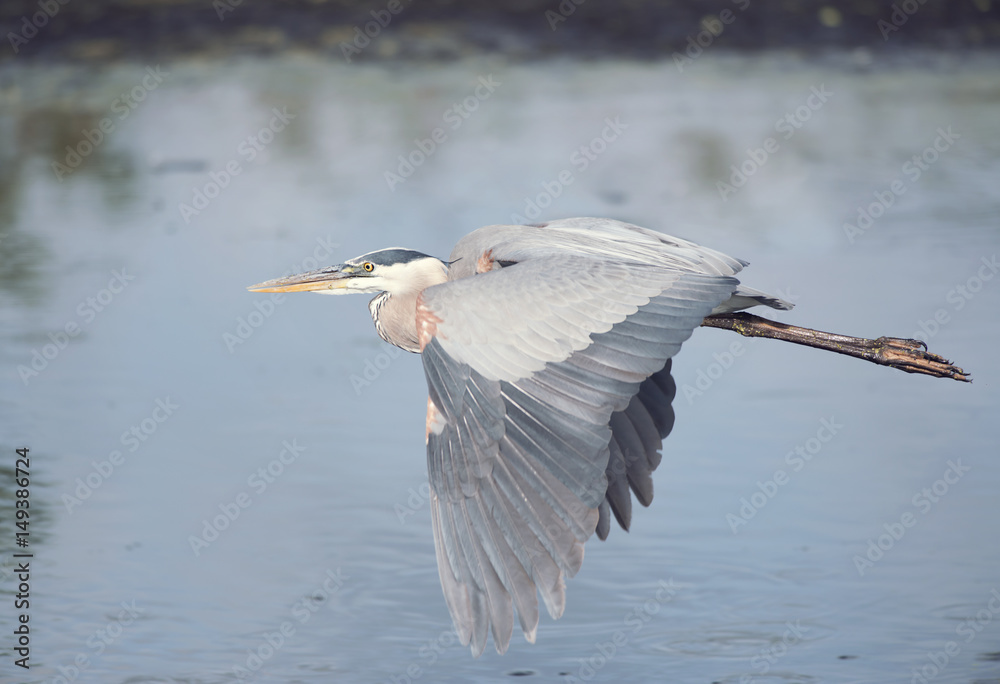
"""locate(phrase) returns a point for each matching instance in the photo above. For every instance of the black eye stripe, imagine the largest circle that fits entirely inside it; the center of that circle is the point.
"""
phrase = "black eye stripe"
(388, 257)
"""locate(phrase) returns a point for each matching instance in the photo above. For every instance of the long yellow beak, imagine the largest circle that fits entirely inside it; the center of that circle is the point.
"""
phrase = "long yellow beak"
(332, 278)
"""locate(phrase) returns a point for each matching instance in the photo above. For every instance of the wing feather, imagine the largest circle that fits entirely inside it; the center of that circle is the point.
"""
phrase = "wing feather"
(496, 611)
(565, 553)
(617, 496)
(550, 382)
(634, 456)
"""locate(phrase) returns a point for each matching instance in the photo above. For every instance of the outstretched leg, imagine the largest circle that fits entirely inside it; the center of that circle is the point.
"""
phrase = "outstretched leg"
(906, 355)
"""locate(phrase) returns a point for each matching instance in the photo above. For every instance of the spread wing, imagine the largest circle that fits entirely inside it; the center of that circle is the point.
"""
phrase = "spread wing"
(637, 433)
(529, 369)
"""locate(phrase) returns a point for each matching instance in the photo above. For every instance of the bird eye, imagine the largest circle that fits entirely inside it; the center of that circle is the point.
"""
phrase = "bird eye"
(368, 266)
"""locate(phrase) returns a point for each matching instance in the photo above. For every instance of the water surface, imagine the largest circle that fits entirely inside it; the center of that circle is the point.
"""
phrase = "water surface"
(180, 397)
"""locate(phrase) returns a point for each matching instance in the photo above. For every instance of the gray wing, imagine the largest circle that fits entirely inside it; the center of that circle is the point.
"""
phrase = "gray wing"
(637, 434)
(526, 366)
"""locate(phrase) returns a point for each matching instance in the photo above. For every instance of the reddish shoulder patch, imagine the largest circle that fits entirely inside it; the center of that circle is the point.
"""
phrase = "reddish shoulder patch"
(427, 322)
(485, 262)
(435, 421)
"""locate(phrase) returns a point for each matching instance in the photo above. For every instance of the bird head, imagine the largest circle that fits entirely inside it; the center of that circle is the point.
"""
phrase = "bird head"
(392, 270)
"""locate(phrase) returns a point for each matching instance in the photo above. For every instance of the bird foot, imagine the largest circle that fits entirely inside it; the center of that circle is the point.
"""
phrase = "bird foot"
(912, 356)
(905, 354)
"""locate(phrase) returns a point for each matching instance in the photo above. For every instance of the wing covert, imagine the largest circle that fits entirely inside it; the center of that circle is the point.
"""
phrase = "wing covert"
(531, 371)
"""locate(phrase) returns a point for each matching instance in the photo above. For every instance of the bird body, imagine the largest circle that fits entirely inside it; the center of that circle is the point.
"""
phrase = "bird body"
(547, 351)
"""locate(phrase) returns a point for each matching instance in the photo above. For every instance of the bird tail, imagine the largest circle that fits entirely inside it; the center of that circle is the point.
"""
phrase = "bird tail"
(745, 297)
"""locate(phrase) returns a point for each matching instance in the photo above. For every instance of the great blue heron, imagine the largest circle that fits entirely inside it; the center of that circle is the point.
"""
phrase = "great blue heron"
(547, 350)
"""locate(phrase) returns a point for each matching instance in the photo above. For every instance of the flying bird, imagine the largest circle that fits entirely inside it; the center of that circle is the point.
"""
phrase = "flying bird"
(547, 350)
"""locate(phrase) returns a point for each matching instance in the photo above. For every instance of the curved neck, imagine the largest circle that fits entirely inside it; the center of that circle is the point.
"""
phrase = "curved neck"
(395, 319)
(395, 314)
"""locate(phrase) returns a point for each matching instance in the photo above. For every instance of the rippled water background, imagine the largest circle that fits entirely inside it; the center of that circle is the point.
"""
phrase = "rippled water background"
(328, 572)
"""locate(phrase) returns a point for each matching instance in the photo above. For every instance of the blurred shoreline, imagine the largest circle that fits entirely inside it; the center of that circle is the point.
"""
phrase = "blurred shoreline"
(101, 30)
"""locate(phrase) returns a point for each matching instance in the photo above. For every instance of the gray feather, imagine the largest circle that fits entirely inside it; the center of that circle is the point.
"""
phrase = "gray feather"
(550, 389)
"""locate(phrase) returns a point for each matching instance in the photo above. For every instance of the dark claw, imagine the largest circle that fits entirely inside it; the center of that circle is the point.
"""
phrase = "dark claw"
(912, 356)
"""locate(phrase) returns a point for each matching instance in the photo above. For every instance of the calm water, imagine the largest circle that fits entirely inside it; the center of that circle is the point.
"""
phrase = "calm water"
(220, 481)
